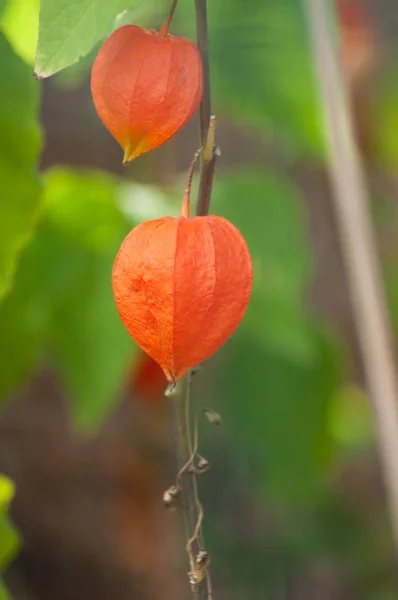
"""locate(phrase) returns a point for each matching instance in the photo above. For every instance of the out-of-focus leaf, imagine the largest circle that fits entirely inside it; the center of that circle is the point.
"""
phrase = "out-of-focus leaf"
(19, 339)
(4, 595)
(351, 419)
(9, 541)
(49, 268)
(383, 121)
(82, 206)
(261, 68)
(3, 5)
(62, 304)
(90, 214)
(279, 409)
(20, 23)
(268, 212)
(7, 491)
(19, 149)
(69, 30)
(92, 348)
(277, 374)
(141, 202)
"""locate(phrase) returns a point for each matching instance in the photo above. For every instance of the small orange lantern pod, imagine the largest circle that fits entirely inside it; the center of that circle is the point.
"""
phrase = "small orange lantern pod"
(146, 86)
(182, 286)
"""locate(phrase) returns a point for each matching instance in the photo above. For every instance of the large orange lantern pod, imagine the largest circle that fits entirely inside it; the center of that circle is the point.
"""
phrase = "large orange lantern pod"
(146, 86)
(182, 286)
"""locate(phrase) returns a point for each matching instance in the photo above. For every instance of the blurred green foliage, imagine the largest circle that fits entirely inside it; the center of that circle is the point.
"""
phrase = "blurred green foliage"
(261, 69)
(20, 23)
(9, 541)
(280, 381)
(62, 304)
(19, 151)
(276, 338)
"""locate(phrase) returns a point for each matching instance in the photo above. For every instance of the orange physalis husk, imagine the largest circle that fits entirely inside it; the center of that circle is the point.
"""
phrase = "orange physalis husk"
(146, 86)
(182, 286)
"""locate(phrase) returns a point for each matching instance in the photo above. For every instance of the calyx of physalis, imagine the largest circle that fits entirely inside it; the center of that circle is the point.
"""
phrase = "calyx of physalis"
(182, 286)
(146, 85)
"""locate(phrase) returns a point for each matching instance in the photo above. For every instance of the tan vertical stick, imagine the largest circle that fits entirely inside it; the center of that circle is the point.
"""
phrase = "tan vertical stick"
(359, 250)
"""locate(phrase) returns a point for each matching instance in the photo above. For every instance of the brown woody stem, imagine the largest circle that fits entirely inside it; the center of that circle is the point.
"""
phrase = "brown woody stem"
(208, 163)
(359, 248)
(202, 41)
(185, 205)
(207, 174)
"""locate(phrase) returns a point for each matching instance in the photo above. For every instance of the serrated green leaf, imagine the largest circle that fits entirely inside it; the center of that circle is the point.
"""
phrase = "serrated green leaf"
(19, 150)
(69, 30)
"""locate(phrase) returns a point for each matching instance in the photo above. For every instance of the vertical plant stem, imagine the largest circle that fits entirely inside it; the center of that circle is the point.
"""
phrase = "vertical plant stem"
(208, 161)
(202, 41)
(359, 251)
(191, 506)
(189, 494)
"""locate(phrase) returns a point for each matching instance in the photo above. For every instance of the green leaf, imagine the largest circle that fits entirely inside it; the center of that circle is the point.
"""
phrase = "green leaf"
(7, 491)
(91, 347)
(88, 344)
(4, 595)
(277, 374)
(73, 257)
(3, 6)
(19, 150)
(382, 120)
(273, 226)
(20, 23)
(87, 216)
(278, 408)
(19, 338)
(69, 30)
(9, 542)
(261, 69)
(82, 207)
(61, 307)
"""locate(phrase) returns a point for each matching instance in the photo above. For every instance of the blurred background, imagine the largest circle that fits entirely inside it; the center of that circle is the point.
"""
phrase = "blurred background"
(294, 503)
